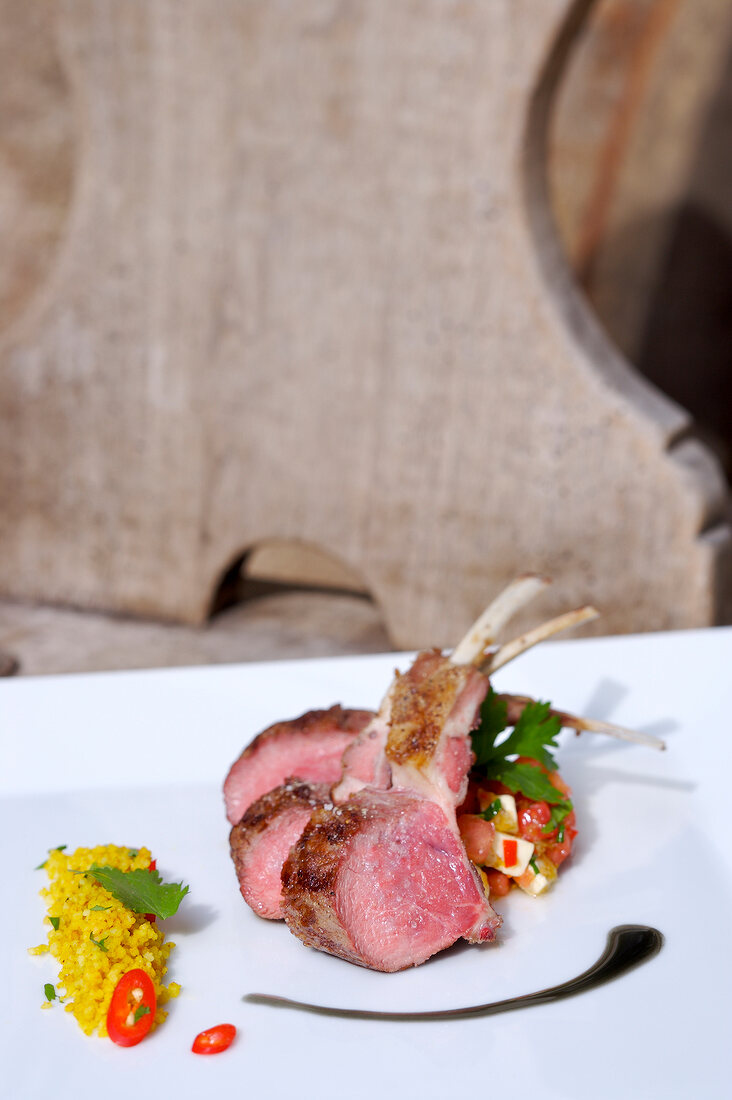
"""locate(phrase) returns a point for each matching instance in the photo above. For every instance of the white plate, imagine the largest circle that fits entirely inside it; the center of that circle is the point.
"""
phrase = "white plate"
(138, 758)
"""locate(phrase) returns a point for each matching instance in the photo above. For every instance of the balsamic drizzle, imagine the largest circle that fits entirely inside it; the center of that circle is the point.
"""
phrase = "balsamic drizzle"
(628, 946)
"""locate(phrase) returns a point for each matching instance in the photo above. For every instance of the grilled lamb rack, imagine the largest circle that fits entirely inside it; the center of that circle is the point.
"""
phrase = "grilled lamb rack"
(310, 747)
(383, 879)
(377, 872)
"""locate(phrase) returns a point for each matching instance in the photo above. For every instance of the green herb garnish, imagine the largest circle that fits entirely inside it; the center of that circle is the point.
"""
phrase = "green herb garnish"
(558, 814)
(142, 891)
(55, 921)
(533, 735)
(140, 1011)
(49, 991)
(534, 866)
(99, 908)
(490, 811)
(101, 944)
(61, 848)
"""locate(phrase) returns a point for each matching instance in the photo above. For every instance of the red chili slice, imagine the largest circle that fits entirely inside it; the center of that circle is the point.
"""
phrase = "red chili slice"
(510, 852)
(214, 1039)
(132, 1009)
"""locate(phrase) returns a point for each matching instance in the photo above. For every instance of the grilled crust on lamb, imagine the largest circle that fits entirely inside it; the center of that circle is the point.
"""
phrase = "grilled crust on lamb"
(310, 747)
(260, 842)
(383, 881)
(422, 700)
(434, 706)
(309, 878)
(418, 738)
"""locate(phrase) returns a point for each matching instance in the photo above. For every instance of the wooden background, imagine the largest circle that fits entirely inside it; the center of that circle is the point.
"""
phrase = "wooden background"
(291, 280)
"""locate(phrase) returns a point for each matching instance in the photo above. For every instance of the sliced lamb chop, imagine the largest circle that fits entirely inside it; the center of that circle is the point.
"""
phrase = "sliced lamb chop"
(310, 747)
(261, 841)
(434, 706)
(383, 881)
(364, 762)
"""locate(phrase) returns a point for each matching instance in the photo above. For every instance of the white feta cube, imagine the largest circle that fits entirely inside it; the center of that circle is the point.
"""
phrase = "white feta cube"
(524, 851)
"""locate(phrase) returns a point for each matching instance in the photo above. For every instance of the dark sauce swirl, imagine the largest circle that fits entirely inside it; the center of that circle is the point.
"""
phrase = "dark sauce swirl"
(627, 946)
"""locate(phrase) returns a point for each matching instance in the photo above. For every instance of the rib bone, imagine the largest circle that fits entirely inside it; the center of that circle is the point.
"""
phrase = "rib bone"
(516, 704)
(484, 630)
(515, 648)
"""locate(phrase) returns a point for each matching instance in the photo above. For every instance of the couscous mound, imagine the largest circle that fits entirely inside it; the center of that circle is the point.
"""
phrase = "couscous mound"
(95, 939)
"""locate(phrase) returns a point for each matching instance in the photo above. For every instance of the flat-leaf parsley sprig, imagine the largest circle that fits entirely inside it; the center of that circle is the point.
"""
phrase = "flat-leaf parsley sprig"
(534, 735)
(142, 891)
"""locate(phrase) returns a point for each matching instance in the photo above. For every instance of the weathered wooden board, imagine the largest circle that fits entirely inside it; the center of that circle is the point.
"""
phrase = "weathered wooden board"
(631, 110)
(309, 288)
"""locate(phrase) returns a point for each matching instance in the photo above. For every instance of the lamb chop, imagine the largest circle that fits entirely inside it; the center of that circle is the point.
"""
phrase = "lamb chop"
(309, 747)
(261, 841)
(383, 879)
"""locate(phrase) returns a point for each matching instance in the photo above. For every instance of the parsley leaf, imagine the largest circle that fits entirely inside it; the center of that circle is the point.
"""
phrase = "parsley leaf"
(49, 991)
(55, 921)
(493, 715)
(534, 735)
(100, 908)
(142, 891)
(140, 1011)
(530, 781)
(101, 944)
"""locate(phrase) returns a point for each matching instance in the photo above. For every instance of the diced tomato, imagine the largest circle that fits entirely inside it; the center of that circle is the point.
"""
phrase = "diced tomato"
(526, 878)
(478, 837)
(214, 1039)
(559, 851)
(469, 805)
(556, 780)
(498, 883)
(131, 1011)
(532, 817)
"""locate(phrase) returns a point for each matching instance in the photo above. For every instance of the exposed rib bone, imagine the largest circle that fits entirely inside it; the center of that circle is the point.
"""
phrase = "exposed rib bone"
(483, 631)
(516, 704)
(515, 648)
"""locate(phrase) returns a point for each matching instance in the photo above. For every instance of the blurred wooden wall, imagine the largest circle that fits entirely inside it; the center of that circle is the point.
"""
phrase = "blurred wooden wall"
(645, 82)
(641, 174)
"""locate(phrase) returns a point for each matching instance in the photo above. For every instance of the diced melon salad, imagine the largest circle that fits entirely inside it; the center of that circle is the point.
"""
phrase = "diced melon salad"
(517, 821)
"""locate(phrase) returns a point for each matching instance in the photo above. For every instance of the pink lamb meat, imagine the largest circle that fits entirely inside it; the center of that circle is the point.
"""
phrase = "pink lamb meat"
(383, 879)
(310, 747)
(261, 841)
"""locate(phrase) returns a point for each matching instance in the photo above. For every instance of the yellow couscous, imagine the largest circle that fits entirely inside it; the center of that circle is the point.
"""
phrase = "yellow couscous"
(95, 939)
